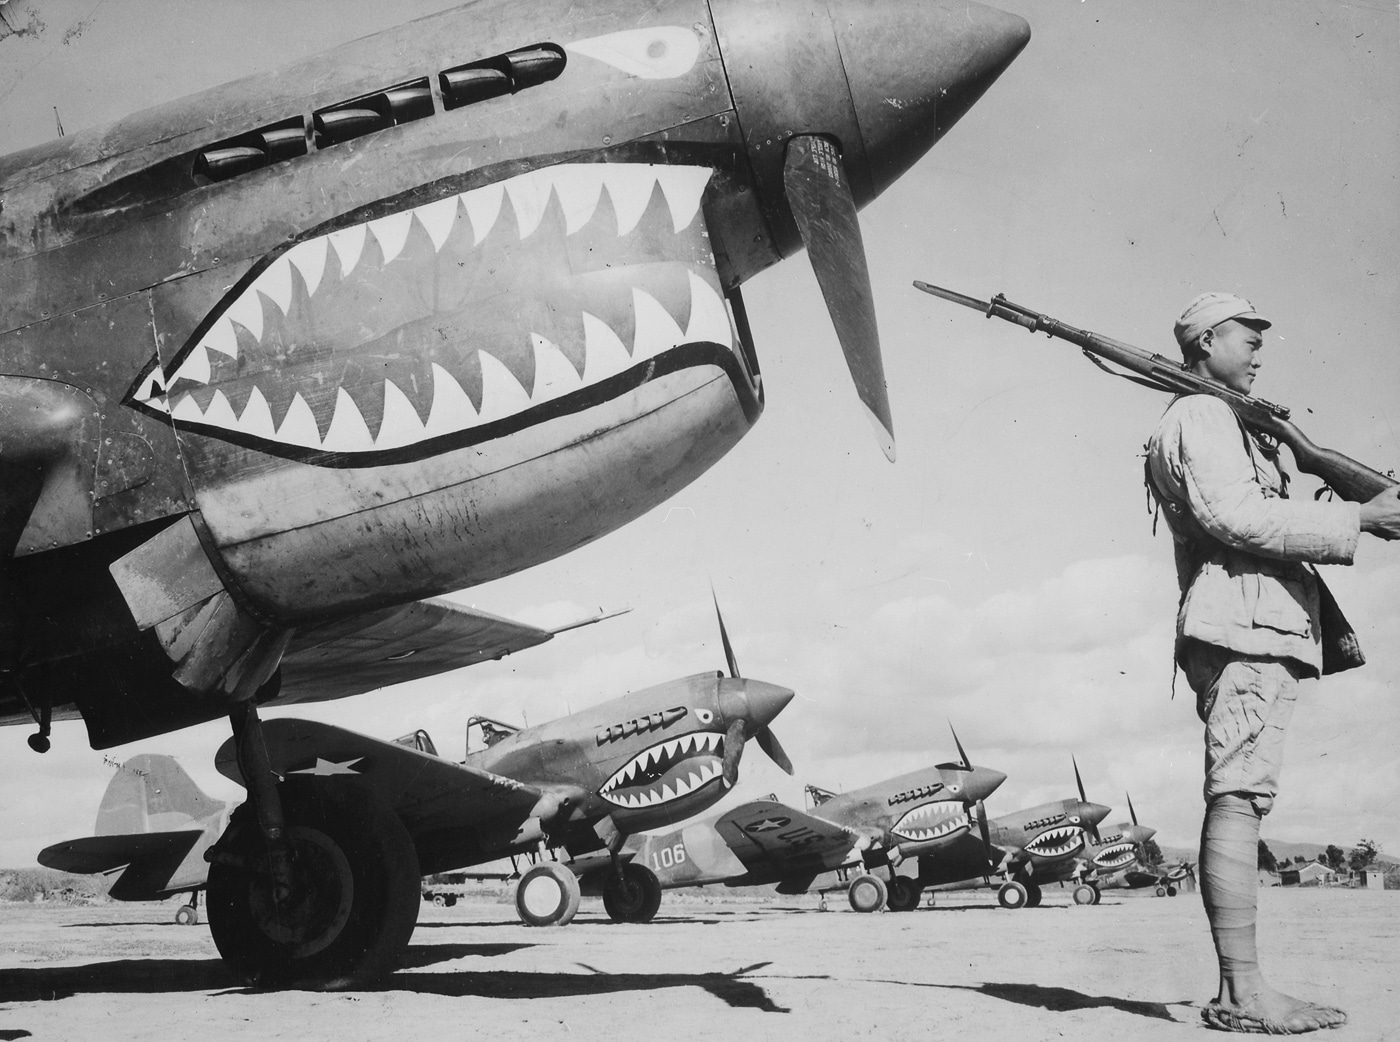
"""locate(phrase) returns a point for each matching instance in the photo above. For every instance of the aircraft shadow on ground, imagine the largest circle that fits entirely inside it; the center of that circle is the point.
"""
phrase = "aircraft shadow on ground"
(730, 988)
(1063, 1000)
(163, 976)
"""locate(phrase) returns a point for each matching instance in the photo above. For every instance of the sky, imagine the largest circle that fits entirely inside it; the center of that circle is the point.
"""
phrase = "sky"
(1003, 576)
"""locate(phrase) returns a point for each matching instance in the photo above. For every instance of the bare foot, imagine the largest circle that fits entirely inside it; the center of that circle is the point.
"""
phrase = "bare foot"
(1272, 1012)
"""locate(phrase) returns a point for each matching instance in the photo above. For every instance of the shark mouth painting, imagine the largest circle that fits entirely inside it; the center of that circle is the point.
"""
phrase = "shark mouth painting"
(666, 772)
(1116, 855)
(411, 328)
(933, 821)
(1058, 842)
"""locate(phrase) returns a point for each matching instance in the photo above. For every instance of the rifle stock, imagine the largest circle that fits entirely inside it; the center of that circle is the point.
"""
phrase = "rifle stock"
(1348, 478)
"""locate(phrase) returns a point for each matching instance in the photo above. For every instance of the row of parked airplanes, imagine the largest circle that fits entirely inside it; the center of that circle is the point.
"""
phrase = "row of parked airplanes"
(617, 789)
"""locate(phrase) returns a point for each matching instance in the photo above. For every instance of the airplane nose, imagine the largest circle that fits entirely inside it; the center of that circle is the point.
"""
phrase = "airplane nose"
(764, 701)
(983, 782)
(914, 69)
(1093, 813)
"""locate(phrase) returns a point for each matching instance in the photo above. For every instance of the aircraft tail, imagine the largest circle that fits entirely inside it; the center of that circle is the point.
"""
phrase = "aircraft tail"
(152, 793)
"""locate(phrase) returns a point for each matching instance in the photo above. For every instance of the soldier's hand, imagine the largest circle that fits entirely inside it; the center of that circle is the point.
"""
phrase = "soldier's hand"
(1381, 515)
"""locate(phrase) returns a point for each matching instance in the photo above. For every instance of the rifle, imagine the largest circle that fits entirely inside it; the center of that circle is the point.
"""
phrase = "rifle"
(1344, 475)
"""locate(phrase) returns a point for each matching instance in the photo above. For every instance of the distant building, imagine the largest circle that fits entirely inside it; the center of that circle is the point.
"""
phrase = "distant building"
(1312, 874)
(1371, 879)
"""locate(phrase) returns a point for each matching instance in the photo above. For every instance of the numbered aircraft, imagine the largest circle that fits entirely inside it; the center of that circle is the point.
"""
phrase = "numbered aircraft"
(153, 828)
(282, 359)
(765, 842)
(1046, 843)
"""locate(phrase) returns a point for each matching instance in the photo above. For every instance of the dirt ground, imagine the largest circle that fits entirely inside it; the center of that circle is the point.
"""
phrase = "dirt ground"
(1134, 967)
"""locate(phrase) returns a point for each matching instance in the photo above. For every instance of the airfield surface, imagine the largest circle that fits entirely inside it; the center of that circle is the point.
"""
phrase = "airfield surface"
(717, 966)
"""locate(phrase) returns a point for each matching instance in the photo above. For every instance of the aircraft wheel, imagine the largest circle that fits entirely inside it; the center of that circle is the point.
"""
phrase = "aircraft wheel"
(867, 893)
(1098, 895)
(1171, 890)
(1012, 895)
(1032, 895)
(1161, 891)
(1084, 894)
(903, 894)
(440, 900)
(635, 897)
(187, 915)
(547, 895)
(353, 900)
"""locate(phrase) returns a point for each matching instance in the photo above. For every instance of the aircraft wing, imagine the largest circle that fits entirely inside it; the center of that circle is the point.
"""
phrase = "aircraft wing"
(784, 839)
(428, 793)
(93, 854)
(392, 645)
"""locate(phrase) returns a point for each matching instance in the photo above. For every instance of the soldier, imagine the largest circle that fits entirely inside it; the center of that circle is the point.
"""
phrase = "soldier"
(1254, 620)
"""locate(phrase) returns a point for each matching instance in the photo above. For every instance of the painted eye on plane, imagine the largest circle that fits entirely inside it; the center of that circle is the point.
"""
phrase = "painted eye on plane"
(704, 716)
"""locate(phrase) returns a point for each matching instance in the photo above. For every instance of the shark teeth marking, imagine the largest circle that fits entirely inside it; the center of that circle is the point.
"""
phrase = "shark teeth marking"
(452, 410)
(349, 243)
(578, 188)
(501, 393)
(482, 206)
(1115, 855)
(1056, 842)
(392, 232)
(348, 431)
(666, 772)
(401, 424)
(299, 425)
(932, 821)
(309, 258)
(257, 416)
(438, 219)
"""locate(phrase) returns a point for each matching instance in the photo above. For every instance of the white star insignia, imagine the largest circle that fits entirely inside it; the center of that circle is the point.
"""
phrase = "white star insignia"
(325, 768)
(767, 825)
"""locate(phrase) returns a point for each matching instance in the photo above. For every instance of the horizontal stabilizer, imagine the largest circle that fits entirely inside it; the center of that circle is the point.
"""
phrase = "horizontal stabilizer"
(94, 854)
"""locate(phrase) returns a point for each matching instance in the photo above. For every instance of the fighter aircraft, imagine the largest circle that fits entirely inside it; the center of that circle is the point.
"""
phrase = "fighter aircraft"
(153, 828)
(283, 358)
(1109, 853)
(1027, 847)
(765, 841)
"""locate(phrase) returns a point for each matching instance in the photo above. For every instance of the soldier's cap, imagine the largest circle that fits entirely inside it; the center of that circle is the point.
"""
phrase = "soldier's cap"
(1209, 310)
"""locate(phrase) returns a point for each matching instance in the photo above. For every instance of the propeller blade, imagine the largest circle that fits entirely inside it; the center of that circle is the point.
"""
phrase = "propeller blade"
(962, 753)
(724, 637)
(986, 834)
(1093, 829)
(733, 751)
(1131, 812)
(819, 194)
(768, 742)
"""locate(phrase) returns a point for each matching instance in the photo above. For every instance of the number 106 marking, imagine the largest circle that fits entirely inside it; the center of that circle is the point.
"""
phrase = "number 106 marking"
(669, 857)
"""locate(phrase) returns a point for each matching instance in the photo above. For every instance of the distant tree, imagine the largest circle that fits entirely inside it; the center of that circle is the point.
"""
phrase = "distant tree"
(1267, 861)
(1335, 858)
(1285, 863)
(1363, 855)
(1151, 853)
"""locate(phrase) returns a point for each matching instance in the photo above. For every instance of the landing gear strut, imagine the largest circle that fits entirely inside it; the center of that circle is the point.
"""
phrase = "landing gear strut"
(314, 884)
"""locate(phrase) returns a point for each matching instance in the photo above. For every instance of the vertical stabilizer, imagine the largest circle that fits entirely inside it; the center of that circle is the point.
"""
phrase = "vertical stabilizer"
(152, 793)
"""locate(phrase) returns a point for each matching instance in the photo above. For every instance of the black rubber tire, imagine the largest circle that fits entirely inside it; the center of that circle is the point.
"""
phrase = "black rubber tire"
(867, 893)
(635, 898)
(902, 894)
(355, 892)
(547, 895)
(1084, 894)
(1161, 891)
(1098, 895)
(1032, 895)
(1171, 890)
(187, 915)
(1012, 895)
